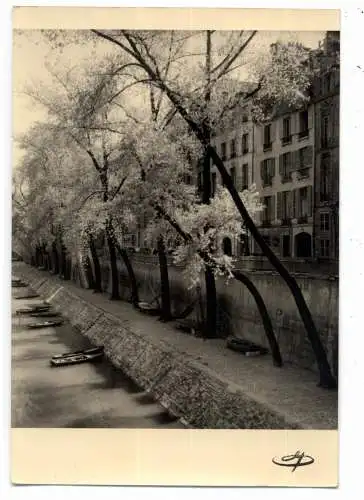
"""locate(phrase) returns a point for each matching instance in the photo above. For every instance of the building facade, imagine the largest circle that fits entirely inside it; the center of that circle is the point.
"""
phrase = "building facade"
(284, 177)
(235, 143)
(327, 153)
(294, 163)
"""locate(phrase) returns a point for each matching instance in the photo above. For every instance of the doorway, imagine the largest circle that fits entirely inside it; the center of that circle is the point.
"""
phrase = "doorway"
(286, 245)
(303, 245)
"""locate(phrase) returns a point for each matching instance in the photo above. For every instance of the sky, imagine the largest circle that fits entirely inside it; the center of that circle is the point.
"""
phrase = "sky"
(30, 54)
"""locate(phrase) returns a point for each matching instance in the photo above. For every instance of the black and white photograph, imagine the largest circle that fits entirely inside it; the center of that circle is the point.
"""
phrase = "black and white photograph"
(175, 230)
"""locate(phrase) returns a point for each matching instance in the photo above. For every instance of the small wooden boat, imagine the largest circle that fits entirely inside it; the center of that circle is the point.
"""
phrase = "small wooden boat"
(76, 359)
(246, 347)
(33, 309)
(147, 308)
(86, 352)
(45, 324)
(19, 284)
(28, 296)
(45, 314)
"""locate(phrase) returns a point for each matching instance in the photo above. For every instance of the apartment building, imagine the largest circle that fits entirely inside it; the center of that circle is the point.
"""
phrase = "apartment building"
(235, 143)
(278, 157)
(326, 99)
(294, 162)
(283, 173)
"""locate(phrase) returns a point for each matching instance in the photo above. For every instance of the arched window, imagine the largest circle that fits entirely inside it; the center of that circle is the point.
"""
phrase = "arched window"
(227, 246)
(303, 245)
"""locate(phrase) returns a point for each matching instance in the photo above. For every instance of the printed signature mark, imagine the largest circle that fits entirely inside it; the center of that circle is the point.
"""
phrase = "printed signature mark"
(298, 459)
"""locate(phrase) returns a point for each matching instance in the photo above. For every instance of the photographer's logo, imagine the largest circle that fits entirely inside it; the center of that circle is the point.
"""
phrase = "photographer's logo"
(299, 459)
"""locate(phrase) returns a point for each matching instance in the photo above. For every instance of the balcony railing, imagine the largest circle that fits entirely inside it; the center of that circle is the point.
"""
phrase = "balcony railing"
(303, 173)
(286, 140)
(286, 178)
(267, 146)
(303, 134)
(266, 223)
(302, 219)
(286, 221)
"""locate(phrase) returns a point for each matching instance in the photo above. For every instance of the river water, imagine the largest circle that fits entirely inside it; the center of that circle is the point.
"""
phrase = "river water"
(84, 395)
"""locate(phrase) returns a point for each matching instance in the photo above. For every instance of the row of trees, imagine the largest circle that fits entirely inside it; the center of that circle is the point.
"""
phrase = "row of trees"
(122, 133)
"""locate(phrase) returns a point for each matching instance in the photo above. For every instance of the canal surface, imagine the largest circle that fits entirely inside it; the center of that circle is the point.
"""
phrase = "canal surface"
(85, 395)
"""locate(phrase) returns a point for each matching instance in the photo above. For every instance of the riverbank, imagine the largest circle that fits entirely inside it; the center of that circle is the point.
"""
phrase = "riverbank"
(199, 381)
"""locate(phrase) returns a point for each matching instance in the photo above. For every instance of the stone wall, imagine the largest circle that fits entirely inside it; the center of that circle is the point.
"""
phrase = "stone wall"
(187, 389)
(238, 314)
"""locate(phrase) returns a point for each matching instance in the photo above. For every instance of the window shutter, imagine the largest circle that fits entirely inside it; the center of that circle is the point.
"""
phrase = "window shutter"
(262, 170)
(307, 156)
(309, 201)
(281, 128)
(296, 203)
(279, 205)
(292, 204)
(273, 207)
(310, 113)
(281, 172)
(294, 161)
(273, 131)
(272, 167)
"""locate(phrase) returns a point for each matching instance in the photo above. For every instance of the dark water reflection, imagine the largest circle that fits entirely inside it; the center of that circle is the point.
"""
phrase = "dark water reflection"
(86, 395)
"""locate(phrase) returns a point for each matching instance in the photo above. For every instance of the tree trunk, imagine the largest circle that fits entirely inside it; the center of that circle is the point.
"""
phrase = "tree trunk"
(88, 272)
(132, 279)
(37, 256)
(55, 259)
(46, 258)
(113, 263)
(210, 285)
(166, 314)
(267, 324)
(96, 266)
(68, 269)
(326, 378)
(63, 270)
(211, 304)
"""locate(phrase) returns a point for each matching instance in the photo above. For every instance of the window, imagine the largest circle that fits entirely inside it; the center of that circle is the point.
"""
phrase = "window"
(267, 137)
(244, 177)
(213, 183)
(233, 175)
(232, 148)
(285, 166)
(245, 117)
(324, 222)
(324, 248)
(303, 124)
(227, 246)
(286, 130)
(301, 158)
(285, 205)
(268, 211)
(223, 151)
(244, 144)
(187, 179)
(325, 177)
(303, 202)
(324, 131)
(267, 171)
